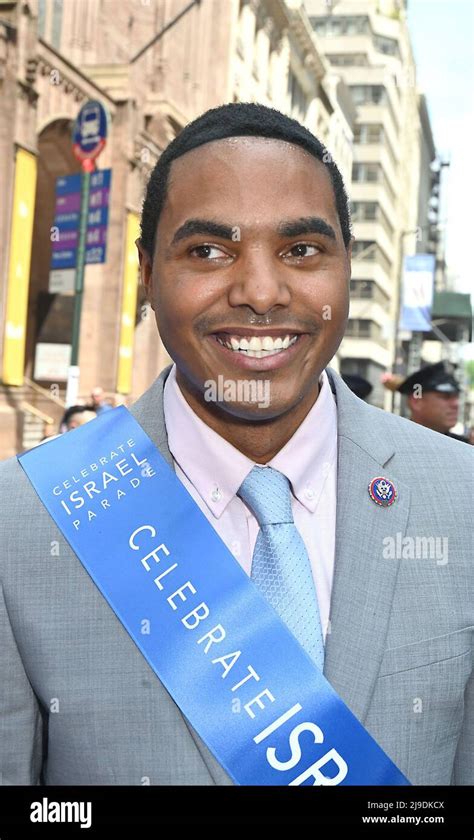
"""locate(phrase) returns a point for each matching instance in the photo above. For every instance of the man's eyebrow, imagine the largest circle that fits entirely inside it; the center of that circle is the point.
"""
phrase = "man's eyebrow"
(289, 228)
(202, 226)
(308, 224)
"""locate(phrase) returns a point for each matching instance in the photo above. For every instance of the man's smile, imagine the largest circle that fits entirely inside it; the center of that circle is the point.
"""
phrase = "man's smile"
(267, 349)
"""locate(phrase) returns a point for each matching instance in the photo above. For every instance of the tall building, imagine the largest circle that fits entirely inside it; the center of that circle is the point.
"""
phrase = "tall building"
(410, 344)
(367, 43)
(154, 65)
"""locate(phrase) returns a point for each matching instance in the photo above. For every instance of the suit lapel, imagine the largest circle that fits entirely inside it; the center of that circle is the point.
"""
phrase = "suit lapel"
(364, 582)
(149, 412)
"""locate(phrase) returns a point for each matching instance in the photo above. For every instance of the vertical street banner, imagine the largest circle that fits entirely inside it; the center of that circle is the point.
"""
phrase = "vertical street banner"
(65, 231)
(21, 237)
(417, 292)
(129, 305)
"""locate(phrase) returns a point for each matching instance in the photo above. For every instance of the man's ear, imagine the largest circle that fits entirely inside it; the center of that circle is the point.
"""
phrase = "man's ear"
(414, 404)
(145, 270)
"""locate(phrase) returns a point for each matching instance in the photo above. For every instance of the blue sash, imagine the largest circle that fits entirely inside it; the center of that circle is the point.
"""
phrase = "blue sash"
(239, 676)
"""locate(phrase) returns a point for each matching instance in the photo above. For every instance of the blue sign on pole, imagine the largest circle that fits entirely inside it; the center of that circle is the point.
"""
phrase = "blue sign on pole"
(90, 130)
(66, 226)
(98, 215)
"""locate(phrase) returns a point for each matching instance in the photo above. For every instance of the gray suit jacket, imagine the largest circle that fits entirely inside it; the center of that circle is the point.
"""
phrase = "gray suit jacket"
(80, 705)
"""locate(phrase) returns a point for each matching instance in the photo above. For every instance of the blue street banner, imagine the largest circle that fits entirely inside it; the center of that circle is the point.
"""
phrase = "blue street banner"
(417, 293)
(66, 226)
(238, 675)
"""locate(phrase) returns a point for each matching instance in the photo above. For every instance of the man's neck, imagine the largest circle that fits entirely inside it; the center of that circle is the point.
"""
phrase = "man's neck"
(260, 440)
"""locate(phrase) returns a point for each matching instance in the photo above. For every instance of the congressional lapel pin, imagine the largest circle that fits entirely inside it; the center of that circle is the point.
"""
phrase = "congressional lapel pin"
(382, 491)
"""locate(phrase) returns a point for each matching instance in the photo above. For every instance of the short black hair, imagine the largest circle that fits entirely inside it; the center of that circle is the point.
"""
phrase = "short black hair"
(236, 119)
(75, 409)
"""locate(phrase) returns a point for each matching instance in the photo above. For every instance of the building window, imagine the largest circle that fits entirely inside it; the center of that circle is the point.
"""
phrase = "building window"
(334, 26)
(370, 211)
(368, 94)
(364, 211)
(355, 367)
(369, 290)
(373, 95)
(372, 253)
(367, 173)
(355, 25)
(368, 133)
(56, 24)
(41, 17)
(361, 328)
(371, 173)
(348, 60)
(362, 245)
(387, 46)
(362, 289)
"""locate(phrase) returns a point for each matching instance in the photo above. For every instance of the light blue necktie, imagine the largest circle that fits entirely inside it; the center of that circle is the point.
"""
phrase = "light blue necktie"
(280, 565)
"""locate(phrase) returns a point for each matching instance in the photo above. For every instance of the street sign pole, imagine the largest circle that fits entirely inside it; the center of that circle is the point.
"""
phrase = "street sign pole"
(87, 167)
(89, 137)
(73, 374)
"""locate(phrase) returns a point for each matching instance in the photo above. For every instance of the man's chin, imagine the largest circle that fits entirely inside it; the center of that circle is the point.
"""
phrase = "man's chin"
(252, 399)
(249, 412)
(260, 411)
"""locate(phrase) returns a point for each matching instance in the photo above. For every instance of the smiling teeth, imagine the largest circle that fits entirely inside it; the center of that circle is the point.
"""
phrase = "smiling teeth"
(256, 347)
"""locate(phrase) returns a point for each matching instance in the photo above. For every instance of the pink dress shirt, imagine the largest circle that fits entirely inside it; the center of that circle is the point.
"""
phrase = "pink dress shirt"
(212, 471)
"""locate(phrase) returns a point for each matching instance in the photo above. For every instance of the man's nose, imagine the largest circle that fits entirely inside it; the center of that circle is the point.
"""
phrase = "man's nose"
(259, 282)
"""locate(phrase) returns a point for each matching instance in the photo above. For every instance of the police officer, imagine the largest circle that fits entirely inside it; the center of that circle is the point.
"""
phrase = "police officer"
(433, 398)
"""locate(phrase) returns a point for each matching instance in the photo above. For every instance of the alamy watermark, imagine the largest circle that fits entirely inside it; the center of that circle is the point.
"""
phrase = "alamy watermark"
(48, 811)
(238, 390)
(416, 548)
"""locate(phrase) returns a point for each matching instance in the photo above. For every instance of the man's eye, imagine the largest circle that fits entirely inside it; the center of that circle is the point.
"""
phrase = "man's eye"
(303, 250)
(207, 252)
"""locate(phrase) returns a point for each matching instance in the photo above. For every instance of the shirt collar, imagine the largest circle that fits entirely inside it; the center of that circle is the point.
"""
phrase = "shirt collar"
(309, 455)
(217, 469)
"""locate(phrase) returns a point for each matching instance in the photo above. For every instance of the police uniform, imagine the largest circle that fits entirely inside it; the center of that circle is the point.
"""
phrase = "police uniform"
(438, 377)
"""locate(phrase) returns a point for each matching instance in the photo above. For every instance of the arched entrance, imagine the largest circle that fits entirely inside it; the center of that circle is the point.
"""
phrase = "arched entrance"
(49, 315)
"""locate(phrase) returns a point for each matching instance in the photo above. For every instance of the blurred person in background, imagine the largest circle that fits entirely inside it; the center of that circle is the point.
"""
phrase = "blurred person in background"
(99, 401)
(74, 416)
(77, 415)
(433, 398)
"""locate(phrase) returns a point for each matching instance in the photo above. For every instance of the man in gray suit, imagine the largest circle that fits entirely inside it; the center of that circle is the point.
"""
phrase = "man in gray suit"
(245, 252)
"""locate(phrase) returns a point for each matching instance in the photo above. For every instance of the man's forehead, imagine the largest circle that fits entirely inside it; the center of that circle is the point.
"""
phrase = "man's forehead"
(193, 185)
(253, 148)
